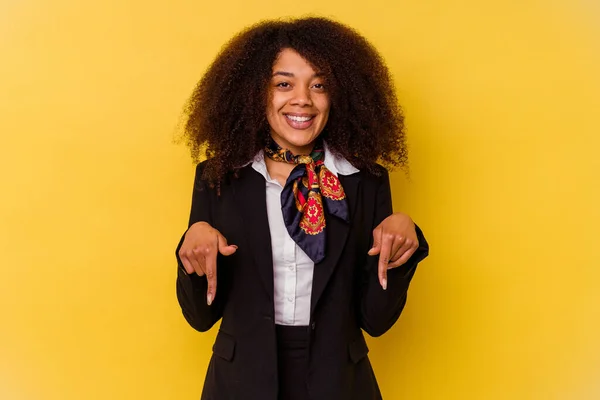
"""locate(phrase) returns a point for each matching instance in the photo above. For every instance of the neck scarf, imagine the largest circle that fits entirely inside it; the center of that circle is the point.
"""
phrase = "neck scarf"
(309, 188)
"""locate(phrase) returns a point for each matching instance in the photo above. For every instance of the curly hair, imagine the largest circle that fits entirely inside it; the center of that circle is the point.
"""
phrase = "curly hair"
(226, 113)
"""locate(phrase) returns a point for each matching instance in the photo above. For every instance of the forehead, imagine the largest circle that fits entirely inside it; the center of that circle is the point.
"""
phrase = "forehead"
(289, 60)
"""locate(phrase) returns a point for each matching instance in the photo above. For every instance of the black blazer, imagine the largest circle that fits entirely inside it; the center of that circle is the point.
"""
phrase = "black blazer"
(346, 295)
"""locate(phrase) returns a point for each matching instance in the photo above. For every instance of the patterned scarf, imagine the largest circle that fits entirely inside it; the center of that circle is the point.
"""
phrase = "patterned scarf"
(302, 198)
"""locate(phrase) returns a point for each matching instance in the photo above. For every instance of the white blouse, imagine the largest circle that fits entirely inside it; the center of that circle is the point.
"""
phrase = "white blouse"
(292, 268)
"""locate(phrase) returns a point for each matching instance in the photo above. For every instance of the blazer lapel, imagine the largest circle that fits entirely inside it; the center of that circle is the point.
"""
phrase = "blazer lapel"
(250, 197)
(337, 233)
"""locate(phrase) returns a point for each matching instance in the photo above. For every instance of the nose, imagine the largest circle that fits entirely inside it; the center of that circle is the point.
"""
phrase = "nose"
(301, 97)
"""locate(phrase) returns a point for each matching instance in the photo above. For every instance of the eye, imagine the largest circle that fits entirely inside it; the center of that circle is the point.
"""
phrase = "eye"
(283, 85)
(319, 86)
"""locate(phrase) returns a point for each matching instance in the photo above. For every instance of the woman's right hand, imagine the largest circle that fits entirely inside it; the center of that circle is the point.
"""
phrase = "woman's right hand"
(198, 254)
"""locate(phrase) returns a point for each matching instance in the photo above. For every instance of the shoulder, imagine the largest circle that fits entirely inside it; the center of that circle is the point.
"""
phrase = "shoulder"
(242, 177)
(375, 175)
(205, 165)
(202, 168)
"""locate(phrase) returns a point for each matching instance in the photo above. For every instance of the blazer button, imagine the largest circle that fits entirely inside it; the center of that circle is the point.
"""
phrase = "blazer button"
(312, 326)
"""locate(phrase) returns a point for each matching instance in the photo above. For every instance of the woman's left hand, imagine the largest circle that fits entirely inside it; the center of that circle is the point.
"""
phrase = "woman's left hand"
(395, 240)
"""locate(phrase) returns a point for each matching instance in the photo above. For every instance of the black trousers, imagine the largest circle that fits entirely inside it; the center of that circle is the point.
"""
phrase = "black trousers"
(292, 355)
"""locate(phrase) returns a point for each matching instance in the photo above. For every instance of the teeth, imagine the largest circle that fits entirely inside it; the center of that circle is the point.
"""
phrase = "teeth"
(298, 119)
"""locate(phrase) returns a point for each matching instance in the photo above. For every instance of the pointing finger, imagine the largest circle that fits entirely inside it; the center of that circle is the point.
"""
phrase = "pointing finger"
(210, 259)
(384, 258)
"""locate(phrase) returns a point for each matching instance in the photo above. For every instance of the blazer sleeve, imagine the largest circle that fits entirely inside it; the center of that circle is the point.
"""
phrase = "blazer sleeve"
(380, 309)
(191, 288)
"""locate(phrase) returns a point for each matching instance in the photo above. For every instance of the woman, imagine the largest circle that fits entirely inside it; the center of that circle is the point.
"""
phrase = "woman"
(290, 211)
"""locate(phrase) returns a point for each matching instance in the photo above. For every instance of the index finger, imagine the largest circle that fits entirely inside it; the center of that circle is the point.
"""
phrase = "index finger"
(210, 260)
(384, 258)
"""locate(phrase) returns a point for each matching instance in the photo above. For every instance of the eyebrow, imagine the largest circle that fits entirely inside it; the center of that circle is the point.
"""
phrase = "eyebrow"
(291, 75)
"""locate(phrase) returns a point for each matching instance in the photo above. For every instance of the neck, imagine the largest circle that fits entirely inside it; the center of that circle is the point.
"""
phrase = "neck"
(278, 170)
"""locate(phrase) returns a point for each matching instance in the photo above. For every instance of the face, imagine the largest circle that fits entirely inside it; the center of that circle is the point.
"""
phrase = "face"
(298, 105)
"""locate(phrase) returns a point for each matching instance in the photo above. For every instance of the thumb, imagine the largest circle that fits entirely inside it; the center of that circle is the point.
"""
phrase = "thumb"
(376, 249)
(224, 248)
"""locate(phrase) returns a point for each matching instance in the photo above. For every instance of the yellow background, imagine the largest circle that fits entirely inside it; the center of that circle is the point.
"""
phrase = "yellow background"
(502, 105)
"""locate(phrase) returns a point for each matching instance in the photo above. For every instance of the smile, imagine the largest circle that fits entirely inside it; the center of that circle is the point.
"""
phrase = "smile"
(297, 118)
(300, 121)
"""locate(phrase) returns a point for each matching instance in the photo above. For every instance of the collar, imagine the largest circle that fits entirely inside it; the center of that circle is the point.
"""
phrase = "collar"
(337, 165)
